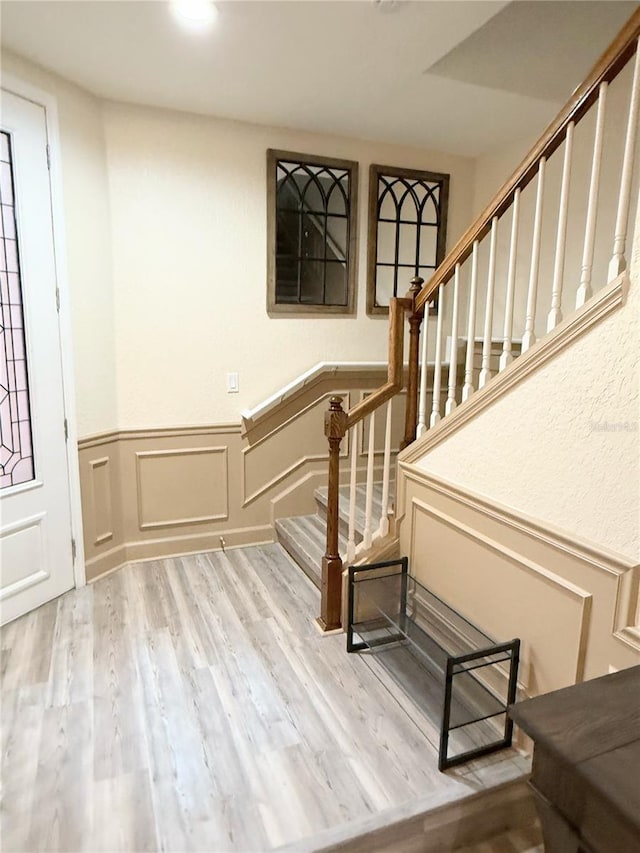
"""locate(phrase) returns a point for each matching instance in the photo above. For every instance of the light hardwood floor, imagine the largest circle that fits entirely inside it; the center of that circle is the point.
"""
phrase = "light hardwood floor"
(192, 704)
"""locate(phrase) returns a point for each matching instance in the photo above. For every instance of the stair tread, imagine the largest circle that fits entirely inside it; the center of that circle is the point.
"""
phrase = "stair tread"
(304, 538)
(321, 496)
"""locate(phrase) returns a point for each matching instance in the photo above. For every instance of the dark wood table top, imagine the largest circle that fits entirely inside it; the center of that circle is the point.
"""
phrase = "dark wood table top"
(593, 729)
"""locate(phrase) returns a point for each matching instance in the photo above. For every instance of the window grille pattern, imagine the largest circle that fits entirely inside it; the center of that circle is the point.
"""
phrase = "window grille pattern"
(16, 454)
(407, 230)
(314, 232)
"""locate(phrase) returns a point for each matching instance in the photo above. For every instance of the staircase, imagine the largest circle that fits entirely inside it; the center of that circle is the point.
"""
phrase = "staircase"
(304, 537)
(547, 259)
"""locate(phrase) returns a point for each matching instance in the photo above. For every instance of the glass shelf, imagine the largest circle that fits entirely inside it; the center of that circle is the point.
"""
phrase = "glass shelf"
(451, 669)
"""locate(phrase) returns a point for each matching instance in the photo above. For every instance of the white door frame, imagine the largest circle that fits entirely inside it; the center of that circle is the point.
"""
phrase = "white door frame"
(16, 86)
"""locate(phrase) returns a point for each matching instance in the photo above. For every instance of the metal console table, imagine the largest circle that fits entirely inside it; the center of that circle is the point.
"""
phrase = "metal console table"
(458, 675)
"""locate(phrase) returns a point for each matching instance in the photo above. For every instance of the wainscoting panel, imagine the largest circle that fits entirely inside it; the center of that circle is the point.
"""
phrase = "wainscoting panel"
(286, 449)
(566, 598)
(182, 486)
(490, 584)
(101, 499)
(99, 462)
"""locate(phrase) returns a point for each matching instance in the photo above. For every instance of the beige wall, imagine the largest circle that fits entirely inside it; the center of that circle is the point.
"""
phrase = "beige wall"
(188, 203)
(166, 236)
(88, 240)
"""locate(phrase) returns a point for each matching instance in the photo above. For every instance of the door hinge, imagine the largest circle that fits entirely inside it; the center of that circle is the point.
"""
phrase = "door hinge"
(48, 158)
(66, 430)
(58, 299)
(73, 549)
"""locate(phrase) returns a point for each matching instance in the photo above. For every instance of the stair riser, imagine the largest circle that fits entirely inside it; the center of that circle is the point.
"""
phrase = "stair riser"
(343, 519)
(304, 544)
(299, 555)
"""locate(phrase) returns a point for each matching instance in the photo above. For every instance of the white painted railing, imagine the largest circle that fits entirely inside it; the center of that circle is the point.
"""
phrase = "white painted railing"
(518, 252)
(503, 286)
(362, 504)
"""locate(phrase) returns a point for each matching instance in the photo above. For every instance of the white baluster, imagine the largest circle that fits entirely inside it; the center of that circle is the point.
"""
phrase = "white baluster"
(437, 370)
(529, 338)
(424, 369)
(467, 389)
(506, 356)
(485, 372)
(584, 291)
(618, 262)
(555, 314)
(351, 542)
(383, 527)
(453, 355)
(368, 511)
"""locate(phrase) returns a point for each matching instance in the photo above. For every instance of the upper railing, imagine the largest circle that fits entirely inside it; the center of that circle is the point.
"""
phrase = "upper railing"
(610, 64)
(567, 210)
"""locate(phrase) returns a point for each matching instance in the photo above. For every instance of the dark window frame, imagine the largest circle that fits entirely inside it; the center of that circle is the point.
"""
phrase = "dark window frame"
(274, 156)
(376, 173)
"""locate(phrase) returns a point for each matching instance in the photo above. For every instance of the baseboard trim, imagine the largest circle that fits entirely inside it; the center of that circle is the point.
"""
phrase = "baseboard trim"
(178, 546)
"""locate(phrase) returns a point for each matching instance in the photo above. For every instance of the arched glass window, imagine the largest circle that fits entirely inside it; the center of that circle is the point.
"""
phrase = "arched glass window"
(407, 230)
(312, 233)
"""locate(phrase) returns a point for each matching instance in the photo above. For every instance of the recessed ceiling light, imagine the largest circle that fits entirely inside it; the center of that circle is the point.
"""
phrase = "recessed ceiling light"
(194, 14)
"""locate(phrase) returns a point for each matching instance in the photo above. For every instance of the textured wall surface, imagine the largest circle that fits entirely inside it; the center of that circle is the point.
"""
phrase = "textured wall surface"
(166, 244)
(188, 202)
(564, 445)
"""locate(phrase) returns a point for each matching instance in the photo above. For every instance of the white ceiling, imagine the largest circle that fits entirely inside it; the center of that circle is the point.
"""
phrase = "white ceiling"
(361, 69)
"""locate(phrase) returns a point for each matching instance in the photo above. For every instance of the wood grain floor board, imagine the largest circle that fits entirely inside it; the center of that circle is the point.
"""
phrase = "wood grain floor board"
(123, 816)
(193, 705)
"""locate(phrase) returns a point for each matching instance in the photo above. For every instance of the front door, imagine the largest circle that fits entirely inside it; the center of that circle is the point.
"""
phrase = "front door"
(35, 517)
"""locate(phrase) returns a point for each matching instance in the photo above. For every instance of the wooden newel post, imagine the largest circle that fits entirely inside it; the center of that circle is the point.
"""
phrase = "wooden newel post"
(335, 428)
(415, 319)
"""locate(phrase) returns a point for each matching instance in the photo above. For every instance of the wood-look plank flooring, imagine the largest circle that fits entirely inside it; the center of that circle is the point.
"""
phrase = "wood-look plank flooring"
(528, 839)
(192, 704)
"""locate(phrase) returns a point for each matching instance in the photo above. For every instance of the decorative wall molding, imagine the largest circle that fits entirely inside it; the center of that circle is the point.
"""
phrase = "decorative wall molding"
(150, 484)
(102, 507)
(566, 543)
(603, 303)
(625, 618)
(561, 585)
(151, 472)
(294, 443)
(316, 374)
(110, 436)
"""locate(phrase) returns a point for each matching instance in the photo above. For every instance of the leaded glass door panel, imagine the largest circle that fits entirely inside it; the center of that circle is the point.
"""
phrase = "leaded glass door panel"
(35, 520)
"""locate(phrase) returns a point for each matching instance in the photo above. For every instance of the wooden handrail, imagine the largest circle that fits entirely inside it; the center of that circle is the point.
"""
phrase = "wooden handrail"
(336, 425)
(606, 69)
(397, 308)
